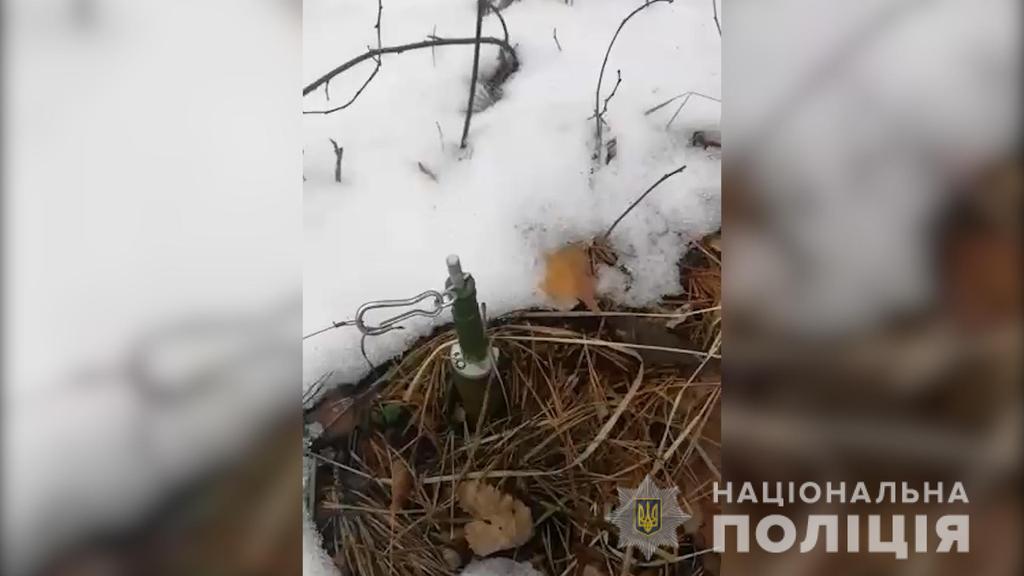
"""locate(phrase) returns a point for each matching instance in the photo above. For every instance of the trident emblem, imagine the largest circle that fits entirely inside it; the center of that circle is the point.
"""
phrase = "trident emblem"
(648, 515)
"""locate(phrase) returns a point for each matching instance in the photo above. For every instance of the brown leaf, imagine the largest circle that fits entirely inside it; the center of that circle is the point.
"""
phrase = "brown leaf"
(338, 416)
(569, 277)
(500, 521)
(401, 485)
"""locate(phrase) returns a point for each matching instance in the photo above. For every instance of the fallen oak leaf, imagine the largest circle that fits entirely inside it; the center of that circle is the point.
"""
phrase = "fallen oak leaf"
(500, 521)
(569, 277)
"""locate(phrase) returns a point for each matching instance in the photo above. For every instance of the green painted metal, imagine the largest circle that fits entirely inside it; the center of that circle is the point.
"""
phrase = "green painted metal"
(472, 358)
(469, 325)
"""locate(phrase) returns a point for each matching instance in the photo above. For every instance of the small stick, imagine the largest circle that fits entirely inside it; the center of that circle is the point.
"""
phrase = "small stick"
(430, 173)
(714, 7)
(604, 64)
(339, 151)
(554, 34)
(376, 69)
(429, 43)
(640, 199)
(685, 95)
(440, 134)
(433, 49)
(476, 70)
(501, 19)
(604, 108)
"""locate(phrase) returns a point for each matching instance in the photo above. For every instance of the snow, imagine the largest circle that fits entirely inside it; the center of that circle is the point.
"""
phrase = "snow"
(523, 186)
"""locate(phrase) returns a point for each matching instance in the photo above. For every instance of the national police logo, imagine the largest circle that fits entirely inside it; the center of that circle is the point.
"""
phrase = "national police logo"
(648, 517)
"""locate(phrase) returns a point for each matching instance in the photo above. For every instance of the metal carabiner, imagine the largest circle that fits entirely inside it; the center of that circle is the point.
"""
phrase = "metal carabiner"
(440, 302)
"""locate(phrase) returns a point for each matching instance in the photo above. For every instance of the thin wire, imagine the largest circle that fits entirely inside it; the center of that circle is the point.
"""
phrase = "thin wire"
(331, 327)
(362, 348)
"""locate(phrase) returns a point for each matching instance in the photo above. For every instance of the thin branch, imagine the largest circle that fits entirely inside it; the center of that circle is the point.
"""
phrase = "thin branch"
(641, 198)
(429, 173)
(433, 42)
(376, 69)
(352, 99)
(380, 10)
(476, 70)
(433, 49)
(554, 34)
(440, 134)
(680, 108)
(604, 64)
(497, 12)
(687, 95)
(714, 7)
(604, 108)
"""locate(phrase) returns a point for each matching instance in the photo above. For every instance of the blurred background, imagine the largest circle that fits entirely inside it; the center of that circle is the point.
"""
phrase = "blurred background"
(151, 281)
(872, 216)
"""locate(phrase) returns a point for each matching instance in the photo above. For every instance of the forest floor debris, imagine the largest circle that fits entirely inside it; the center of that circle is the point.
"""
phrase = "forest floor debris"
(598, 400)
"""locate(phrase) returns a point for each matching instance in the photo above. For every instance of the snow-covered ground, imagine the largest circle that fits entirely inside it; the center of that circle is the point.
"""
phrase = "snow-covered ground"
(523, 186)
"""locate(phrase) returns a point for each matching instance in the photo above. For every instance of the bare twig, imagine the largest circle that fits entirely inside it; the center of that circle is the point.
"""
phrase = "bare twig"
(641, 198)
(440, 134)
(554, 34)
(339, 151)
(380, 10)
(497, 12)
(427, 171)
(433, 49)
(604, 107)
(476, 70)
(604, 64)
(686, 95)
(376, 69)
(686, 98)
(714, 8)
(430, 43)
(354, 96)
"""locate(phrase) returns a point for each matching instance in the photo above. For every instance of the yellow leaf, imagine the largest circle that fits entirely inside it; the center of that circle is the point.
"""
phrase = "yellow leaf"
(568, 277)
(500, 522)
(401, 485)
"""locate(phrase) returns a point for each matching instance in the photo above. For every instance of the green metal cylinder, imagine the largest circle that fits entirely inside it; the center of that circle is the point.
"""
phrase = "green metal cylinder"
(472, 358)
(469, 325)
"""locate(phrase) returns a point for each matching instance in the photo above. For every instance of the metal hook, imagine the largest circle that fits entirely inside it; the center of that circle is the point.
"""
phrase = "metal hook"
(439, 300)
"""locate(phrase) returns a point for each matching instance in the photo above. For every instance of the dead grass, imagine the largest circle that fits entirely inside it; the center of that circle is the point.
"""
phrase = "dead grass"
(588, 413)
